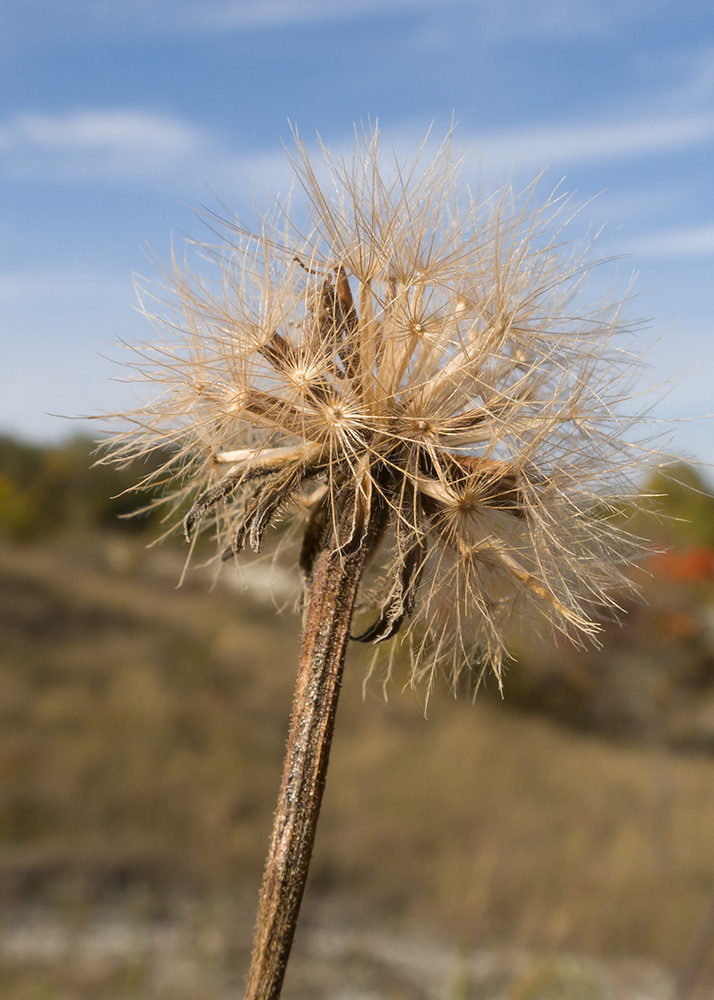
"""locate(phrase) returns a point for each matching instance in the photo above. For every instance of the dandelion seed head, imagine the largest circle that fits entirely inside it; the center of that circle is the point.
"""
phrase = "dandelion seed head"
(416, 355)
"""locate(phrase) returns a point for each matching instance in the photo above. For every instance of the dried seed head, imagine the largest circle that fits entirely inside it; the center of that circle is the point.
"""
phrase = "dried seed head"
(417, 352)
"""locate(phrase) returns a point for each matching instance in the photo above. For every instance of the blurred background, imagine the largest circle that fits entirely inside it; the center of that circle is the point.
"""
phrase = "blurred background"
(555, 843)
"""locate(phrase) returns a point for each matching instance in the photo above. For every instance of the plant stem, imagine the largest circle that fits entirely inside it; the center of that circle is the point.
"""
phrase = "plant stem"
(334, 588)
(691, 971)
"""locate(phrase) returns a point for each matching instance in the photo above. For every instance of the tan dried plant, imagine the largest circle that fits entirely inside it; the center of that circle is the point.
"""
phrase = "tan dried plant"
(409, 378)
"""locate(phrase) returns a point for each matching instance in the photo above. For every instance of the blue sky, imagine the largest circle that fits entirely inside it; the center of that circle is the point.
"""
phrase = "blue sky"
(119, 118)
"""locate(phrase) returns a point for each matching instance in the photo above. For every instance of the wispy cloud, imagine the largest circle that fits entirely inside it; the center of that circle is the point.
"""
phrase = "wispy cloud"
(85, 144)
(495, 19)
(690, 241)
(564, 19)
(133, 145)
(263, 13)
(57, 20)
(589, 143)
(112, 130)
(136, 147)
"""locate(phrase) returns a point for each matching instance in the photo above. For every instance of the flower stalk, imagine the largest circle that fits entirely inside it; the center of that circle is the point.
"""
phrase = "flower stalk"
(335, 581)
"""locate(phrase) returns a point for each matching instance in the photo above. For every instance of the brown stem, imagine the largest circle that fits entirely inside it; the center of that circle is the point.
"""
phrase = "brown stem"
(693, 967)
(334, 588)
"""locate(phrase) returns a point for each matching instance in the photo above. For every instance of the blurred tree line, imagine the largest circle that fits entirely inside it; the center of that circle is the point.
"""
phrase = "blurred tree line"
(44, 489)
(684, 502)
(651, 674)
(51, 487)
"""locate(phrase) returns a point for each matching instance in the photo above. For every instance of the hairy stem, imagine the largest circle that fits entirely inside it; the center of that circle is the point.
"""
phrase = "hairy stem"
(334, 587)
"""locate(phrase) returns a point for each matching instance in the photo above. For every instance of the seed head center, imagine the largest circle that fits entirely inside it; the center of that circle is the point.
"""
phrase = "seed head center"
(336, 414)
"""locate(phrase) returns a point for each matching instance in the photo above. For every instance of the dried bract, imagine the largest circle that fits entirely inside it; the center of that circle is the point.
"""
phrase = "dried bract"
(411, 357)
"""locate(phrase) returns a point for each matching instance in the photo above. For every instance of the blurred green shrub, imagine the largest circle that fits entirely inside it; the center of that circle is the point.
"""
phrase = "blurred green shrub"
(45, 489)
(566, 979)
(682, 507)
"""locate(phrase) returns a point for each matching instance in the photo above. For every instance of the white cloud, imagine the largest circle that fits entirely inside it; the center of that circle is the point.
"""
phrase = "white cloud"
(496, 19)
(88, 144)
(261, 13)
(116, 131)
(532, 149)
(564, 19)
(58, 20)
(589, 143)
(695, 68)
(127, 145)
(691, 241)
(499, 20)
(133, 145)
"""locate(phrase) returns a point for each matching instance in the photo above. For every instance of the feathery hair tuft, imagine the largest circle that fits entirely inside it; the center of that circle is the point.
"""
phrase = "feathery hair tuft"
(408, 370)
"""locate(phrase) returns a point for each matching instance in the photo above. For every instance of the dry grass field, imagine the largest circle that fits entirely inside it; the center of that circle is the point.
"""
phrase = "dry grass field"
(141, 742)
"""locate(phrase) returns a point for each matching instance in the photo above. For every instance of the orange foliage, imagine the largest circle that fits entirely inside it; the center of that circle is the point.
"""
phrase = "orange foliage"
(694, 564)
